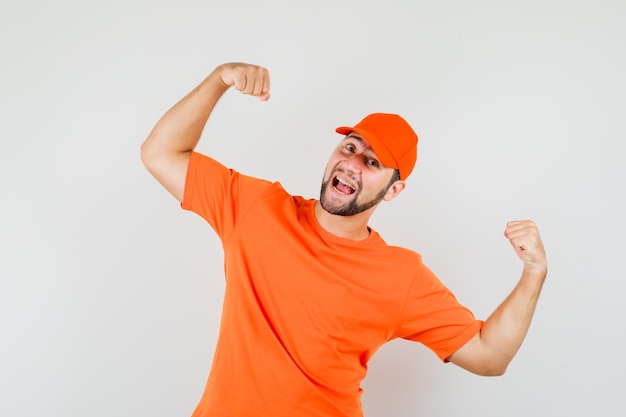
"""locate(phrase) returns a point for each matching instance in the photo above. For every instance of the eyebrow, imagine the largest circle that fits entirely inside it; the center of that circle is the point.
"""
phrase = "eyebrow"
(354, 136)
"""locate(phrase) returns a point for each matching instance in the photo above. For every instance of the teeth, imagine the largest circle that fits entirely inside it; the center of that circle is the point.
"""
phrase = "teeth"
(345, 183)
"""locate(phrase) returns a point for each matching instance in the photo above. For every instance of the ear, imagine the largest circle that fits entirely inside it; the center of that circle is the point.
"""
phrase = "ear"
(394, 190)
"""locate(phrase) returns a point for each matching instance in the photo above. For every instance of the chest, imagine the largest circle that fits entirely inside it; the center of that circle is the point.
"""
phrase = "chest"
(296, 276)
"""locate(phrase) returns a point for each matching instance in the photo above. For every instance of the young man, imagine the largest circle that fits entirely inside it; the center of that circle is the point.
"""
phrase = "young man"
(311, 291)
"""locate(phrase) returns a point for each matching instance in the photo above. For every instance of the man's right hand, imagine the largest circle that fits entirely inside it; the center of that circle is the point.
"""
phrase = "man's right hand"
(249, 79)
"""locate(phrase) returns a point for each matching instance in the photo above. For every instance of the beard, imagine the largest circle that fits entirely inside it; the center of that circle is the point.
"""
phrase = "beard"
(353, 206)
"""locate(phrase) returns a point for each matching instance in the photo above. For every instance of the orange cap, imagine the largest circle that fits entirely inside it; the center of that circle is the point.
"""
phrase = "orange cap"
(392, 139)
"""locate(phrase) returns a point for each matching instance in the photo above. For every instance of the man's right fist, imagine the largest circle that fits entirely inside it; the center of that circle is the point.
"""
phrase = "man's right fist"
(249, 79)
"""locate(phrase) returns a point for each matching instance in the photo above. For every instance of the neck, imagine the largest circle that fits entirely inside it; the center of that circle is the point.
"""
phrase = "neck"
(349, 227)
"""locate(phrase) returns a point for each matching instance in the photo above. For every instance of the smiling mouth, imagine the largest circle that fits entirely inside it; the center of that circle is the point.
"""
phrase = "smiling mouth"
(342, 186)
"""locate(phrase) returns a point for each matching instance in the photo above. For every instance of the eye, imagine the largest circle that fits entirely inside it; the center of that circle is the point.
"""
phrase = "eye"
(373, 162)
(350, 148)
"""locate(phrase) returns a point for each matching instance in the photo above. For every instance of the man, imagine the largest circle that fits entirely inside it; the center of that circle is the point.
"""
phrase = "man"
(311, 291)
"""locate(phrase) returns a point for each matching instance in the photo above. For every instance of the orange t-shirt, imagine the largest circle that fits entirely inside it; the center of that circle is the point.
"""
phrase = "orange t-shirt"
(305, 310)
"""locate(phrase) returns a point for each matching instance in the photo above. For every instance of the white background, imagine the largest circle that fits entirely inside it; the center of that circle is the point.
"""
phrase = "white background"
(110, 294)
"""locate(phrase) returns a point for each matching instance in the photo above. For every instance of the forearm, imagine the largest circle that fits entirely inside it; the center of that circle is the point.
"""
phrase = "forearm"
(179, 130)
(167, 150)
(505, 330)
(491, 350)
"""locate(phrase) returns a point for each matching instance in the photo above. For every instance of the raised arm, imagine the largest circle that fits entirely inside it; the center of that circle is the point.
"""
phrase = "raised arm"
(493, 348)
(166, 151)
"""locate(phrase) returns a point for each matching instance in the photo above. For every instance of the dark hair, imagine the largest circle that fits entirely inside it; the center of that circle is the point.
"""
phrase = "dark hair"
(394, 177)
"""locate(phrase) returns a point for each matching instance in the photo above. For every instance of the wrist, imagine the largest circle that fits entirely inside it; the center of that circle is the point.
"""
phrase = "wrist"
(216, 79)
(536, 270)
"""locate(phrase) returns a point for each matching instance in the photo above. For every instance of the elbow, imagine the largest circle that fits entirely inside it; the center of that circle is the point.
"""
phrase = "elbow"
(144, 153)
(148, 154)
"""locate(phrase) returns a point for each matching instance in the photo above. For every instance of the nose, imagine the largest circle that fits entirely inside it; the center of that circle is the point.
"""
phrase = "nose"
(354, 163)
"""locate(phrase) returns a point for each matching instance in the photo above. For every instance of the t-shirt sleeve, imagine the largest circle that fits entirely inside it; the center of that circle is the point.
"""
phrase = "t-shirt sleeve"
(434, 317)
(219, 194)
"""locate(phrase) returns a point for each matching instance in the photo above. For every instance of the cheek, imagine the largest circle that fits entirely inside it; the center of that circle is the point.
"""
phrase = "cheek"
(327, 173)
(333, 161)
(374, 183)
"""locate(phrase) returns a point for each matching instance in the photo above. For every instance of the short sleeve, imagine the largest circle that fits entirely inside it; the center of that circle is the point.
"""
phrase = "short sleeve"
(218, 194)
(434, 317)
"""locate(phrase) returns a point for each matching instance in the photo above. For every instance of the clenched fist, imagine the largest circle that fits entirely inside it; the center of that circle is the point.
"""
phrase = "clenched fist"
(249, 79)
(524, 236)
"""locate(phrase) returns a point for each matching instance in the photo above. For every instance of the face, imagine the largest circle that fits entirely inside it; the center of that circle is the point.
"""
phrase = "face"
(355, 180)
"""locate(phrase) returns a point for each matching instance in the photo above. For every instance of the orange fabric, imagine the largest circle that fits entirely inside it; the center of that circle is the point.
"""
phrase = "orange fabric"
(305, 310)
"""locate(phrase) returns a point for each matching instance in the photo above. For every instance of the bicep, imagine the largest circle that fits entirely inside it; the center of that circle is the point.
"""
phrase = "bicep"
(474, 357)
(168, 168)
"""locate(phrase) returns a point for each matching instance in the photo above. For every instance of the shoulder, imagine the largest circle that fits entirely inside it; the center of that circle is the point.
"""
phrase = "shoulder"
(203, 166)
